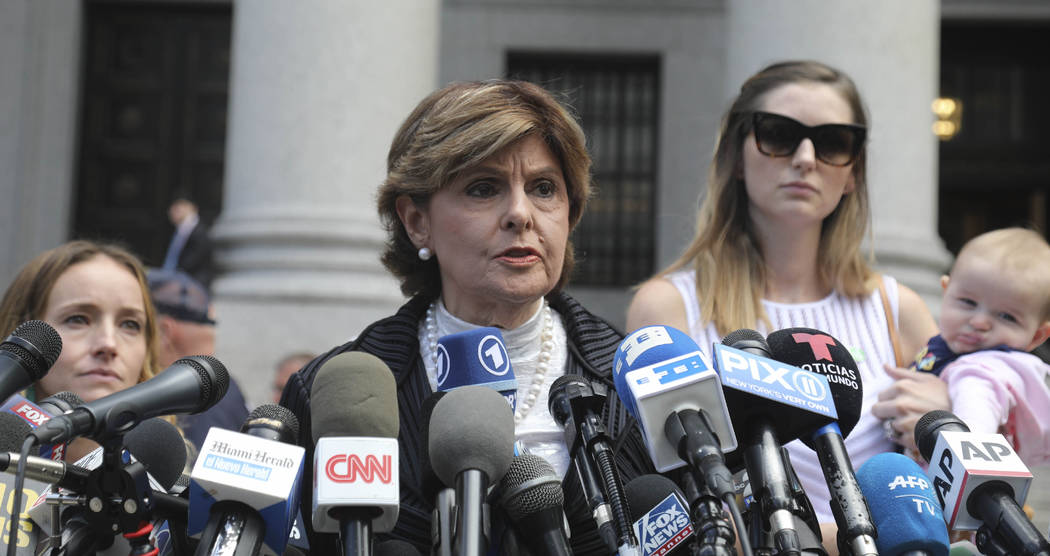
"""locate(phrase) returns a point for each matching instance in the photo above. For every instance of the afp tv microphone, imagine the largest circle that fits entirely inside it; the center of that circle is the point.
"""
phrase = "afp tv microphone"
(903, 507)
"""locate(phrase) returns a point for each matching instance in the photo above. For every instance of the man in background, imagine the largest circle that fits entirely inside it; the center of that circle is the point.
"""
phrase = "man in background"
(286, 367)
(190, 249)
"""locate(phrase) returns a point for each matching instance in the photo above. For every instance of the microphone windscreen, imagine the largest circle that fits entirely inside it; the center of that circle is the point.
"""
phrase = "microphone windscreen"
(748, 340)
(646, 346)
(904, 508)
(644, 492)
(37, 344)
(930, 424)
(278, 419)
(659, 515)
(431, 484)
(13, 431)
(530, 485)
(819, 352)
(65, 401)
(471, 428)
(395, 547)
(160, 447)
(354, 394)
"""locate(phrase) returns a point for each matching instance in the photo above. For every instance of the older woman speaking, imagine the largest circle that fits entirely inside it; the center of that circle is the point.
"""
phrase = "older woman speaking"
(485, 181)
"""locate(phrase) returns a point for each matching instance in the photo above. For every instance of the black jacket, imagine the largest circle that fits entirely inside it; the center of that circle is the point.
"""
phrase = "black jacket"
(592, 343)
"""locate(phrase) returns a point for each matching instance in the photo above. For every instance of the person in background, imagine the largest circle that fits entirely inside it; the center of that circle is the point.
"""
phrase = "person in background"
(186, 328)
(95, 296)
(190, 249)
(286, 367)
(778, 245)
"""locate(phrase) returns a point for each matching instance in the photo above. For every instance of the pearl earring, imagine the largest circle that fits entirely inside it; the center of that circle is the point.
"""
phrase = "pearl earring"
(425, 253)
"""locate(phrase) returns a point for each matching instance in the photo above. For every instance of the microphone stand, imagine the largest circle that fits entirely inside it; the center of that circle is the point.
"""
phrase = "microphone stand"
(714, 533)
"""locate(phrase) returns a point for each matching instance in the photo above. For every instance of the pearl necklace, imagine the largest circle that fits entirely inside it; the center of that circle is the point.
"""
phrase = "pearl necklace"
(543, 360)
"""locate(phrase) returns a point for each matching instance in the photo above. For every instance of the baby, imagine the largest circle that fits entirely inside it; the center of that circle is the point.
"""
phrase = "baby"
(996, 308)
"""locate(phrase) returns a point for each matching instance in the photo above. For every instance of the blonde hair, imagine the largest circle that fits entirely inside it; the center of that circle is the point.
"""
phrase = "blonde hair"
(725, 252)
(1022, 254)
(27, 295)
(456, 128)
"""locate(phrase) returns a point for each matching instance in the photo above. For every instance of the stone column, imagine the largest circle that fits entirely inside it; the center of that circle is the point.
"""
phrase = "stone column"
(891, 50)
(317, 93)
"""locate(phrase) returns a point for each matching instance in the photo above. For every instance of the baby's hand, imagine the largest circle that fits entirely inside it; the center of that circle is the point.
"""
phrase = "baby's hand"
(912, 395)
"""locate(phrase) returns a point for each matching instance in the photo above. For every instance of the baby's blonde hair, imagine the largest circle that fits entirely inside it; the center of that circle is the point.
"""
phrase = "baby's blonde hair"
(1022, 254)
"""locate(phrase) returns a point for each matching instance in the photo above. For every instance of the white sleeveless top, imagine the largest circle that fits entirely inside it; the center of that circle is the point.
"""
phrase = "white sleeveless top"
(860, 324)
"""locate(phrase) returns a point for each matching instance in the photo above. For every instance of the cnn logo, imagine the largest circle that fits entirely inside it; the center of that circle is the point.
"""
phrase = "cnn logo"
(349, 468)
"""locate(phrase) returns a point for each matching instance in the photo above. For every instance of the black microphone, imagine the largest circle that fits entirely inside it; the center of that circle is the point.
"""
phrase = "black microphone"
(819, 352)
(26, 356)
(443, 498)
(974, 476)
(161, 449)
(531, 495)
(471, 445)
(395, 547)
(660, 516)
(189, 385)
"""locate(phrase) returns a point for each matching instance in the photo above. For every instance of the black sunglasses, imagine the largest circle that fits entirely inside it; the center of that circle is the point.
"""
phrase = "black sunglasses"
(835, 144)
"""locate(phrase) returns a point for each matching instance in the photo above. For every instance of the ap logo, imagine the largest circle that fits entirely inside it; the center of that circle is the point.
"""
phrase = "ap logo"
(443, 364)
(493, 356)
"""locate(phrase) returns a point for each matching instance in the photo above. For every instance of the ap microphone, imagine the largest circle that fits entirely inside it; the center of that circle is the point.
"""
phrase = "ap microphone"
(355, 425)
(660, 515)
(819, 352)
(903, 507)
(471, 443)
(476, 357)
(531, 495)
(26, 356)
(189, 385)
(980, 483)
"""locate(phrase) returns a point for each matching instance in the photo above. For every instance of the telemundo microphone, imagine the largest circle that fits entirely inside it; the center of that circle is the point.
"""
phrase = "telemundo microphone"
(980, 483)
(476, 357)
(660, 516)
(903, 507)
(471, 443)
(26, 355)
(819, 352)
(772, 403)
(244, 488)
(530, 494)
(355, 426)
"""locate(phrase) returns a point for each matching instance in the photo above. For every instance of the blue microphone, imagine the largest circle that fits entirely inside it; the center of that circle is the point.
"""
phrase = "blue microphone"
(476, 358)
(903, 506)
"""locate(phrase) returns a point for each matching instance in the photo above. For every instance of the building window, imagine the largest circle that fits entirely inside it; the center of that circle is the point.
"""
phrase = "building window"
(617, 101)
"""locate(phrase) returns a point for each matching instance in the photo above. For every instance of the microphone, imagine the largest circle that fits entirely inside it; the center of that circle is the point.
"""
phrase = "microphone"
(775, 403)
(244, 487)
(13, 430)
(355, 426)
(659, 514)
(26, 356)
(903, 507)
(161, 449)
(36, 415)
(471, 459)
(476, 357)
(189, 385)
(531, 495)
(395, 547)
(980, 483)
(443, 498)
(819, 352)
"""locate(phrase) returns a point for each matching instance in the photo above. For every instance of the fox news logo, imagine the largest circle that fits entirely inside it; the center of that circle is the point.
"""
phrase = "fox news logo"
(31, 414)
(664, 527)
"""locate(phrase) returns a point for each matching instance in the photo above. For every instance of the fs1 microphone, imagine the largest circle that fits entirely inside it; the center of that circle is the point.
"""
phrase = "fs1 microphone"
(355, 426)
(980, 483)
(670, 387)
(471, 443)
(189, 385)
(476, 357)
(660, 515)
(819, 352)
(907, 515)
(531, 495)
(244, 488)
(26, 356)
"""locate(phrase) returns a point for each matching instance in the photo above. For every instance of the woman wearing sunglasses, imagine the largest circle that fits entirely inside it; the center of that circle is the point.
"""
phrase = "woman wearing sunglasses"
(778, 245)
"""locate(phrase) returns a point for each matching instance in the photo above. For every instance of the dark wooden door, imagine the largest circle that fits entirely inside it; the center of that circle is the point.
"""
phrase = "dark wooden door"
(153, 118)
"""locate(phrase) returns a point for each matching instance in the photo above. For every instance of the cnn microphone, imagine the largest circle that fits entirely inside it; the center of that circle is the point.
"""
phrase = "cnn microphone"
(355, 425)
(660, 516)
(980, 483)
(471, 443)
(27, 355)
(903, 507)
(244, 488)
(819, 352)
(530, 493)
(189, 385)
(476, 357)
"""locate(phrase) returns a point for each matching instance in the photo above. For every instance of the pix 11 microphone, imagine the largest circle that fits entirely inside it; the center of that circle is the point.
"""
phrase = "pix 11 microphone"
(476, 357)
(27, 355)
(905, 511)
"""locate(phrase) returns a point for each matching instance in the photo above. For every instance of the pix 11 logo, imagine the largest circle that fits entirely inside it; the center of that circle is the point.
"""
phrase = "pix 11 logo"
(664, 527)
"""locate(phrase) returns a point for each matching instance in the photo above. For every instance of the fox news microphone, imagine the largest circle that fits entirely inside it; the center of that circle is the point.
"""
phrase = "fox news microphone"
(27, 355)
(36, 414)
(775, 403)
(476, 357)
(355, 426)
(819, 352)
(530, 493)
(980, 483)
(907, 515)
(471, 443)
(189, 385)
(660, 516)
